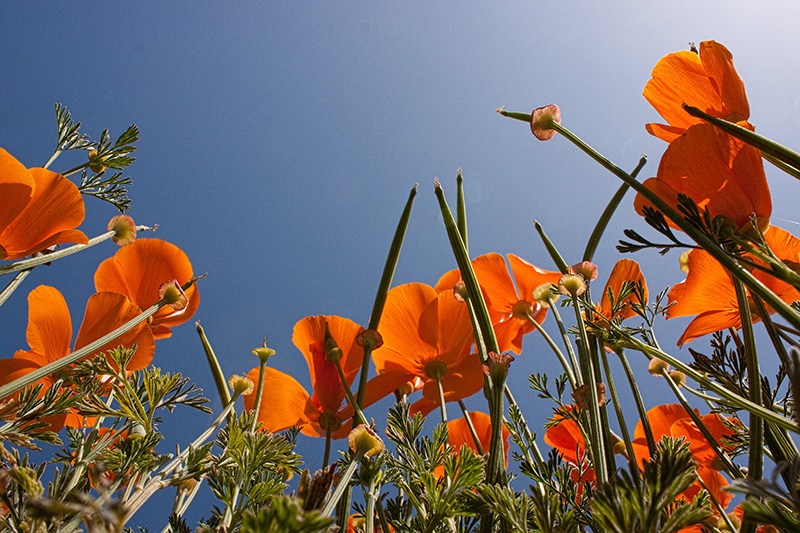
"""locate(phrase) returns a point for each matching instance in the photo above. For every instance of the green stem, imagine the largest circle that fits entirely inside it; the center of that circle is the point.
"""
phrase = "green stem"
(13, 284)
(442, 407)
(756, 455)
(565, 338)
(262, 370)
(383, 288)
(550, 342)
(344, 481)
(729, 397)
(765, 145)
(602, 222)
(471, 427)
(461, 210)
(327, 454)
(638, 400)
(358, 415)
(40, 259)
(551, 249)
(467, 274)
(612, 390)
(587, 370)
(39, 373)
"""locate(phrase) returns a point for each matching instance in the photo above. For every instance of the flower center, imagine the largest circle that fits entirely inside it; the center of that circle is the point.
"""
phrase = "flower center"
(524, 309)
(436, 369)
(329, 421)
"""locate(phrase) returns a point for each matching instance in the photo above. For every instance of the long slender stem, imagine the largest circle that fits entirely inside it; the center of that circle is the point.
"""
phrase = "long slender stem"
(40, 259)
(155, 484)
(602, 222)
(563, 360)
(36, 375)
(471, 427)
(756, 452)
(13, 285)
(565, 338)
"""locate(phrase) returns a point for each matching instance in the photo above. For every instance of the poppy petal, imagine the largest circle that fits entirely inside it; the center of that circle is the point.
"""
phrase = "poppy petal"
(284, 402)
(105, 312)
(54, 210)
(49, 330)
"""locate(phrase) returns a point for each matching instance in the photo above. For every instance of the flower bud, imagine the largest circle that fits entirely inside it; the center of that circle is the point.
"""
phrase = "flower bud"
(678, 377)
(543, 294)
(364, 440)
(684, 262)
(542, 120)
(263, 353)
(582, 396)
(369, 338)
(96, 162)
(332, 351)
(524, 310)
(656, 365)
(496, 366)
(571, 285)
(173, 294)
(124, 229)
(586, 269)
(241, 385)
(460, 291)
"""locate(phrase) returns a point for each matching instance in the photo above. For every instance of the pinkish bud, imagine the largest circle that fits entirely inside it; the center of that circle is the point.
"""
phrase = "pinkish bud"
(124, 229)
(586, 269)
(542, 120)
(172, 292)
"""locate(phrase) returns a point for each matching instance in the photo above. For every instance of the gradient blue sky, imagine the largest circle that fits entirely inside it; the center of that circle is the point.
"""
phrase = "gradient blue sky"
(280, 140)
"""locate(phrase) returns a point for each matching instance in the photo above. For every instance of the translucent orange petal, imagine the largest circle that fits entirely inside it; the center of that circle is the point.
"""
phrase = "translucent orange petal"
(718, 64)
(566, 437)
(139, 269)
(14, 368)
(463, 379)
(706, 80)
(49, 330)
(493, 277)
(309, 336)
(16, 189)
(716, 171)
(50, 217)
(105, 312)
(707, 287)
(625, 270)
(454, 327)
(284, 404)
(402, 330)
(459, 433)
(528, 276)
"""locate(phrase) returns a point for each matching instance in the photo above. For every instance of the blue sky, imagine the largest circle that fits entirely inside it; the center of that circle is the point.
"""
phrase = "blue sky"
(279, 141)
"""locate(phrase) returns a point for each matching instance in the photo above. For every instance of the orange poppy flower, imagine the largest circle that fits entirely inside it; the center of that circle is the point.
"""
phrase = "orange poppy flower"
(708, 290)
(706, 80)
(625, 270)
(717, 171)
(459, 433)
(425, 333)
(49, 335)
(566, 437)
(138, 270)
(285, 403)
(39, 209)
(507, 304)
(673, 421)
